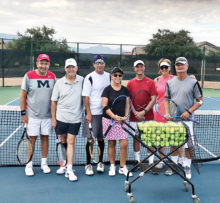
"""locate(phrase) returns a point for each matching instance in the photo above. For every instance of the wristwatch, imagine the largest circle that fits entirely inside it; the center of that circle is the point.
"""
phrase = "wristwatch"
(145, 111)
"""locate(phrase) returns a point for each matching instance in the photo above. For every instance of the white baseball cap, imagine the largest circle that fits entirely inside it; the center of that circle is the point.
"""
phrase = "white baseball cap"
(70, 62)
(138, 62)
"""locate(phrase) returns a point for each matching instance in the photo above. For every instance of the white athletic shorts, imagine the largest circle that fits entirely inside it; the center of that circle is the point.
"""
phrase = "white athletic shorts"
(37, 127)
(191, 139)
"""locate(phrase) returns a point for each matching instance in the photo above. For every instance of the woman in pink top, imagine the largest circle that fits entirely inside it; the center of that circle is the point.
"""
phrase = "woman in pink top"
(164, 66)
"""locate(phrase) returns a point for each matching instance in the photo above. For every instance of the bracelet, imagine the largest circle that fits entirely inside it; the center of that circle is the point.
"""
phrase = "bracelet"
(23, 112)
(189, 112)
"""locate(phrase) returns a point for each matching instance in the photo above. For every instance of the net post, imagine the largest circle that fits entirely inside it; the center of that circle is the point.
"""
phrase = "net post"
(2, 63)
(77, 53)
(120, 55)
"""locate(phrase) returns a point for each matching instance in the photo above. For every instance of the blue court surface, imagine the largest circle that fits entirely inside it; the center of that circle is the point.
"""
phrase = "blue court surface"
(101, 188)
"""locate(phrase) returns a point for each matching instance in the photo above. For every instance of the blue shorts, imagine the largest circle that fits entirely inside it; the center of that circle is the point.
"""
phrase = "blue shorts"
(64, 128)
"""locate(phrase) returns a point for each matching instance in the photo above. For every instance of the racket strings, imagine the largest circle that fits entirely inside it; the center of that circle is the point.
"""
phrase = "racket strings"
(24, 151)
(141, 100)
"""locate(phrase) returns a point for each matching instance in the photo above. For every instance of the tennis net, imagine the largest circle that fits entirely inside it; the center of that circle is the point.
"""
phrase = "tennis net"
(207, 133)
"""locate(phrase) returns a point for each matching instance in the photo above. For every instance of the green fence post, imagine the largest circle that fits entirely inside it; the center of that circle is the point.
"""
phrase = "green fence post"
(77, 52)
(31, 55)
(203, 68)
(2, 65)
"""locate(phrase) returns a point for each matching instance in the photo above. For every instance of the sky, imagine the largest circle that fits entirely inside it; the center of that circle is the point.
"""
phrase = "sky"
(113, 21)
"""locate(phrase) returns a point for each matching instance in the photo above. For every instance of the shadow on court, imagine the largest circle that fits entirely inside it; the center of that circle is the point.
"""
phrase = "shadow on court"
(100, 188)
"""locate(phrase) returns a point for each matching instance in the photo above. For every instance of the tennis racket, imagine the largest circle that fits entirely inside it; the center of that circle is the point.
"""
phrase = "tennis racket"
(141, 99)
(93, 145)
(24, 150)
(115, 103)
(162, 108)
(61, 152)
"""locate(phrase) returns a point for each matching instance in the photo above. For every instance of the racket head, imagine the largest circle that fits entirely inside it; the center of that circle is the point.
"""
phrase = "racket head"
(141, 99)
(61, 154)
(172, 108)
(94, 151)
(24, 151)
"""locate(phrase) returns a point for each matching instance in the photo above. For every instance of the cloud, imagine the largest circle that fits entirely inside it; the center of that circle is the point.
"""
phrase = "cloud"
(111, 21)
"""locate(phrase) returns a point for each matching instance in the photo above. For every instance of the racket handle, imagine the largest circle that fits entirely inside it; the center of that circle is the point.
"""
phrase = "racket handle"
(90, 126)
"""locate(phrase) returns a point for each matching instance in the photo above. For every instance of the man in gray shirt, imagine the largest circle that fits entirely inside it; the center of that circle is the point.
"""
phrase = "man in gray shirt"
(186, 92)
(67, 111)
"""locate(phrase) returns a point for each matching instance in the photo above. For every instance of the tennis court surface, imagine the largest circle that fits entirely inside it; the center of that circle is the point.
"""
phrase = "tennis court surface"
(101, 187)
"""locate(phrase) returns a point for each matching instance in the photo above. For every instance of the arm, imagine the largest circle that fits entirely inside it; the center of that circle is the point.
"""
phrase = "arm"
(53, 108)
(88, 111)
(23, 96)
(108, 111)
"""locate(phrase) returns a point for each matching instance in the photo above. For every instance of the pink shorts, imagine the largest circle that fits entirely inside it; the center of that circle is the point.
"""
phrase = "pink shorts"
(116, 132)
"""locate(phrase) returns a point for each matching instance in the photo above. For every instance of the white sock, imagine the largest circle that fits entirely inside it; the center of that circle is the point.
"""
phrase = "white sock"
(30, 164)
(188, 162)
(174, 159)
(112, 165)
(43, 161)
(69, 167)
(137, 156)
(151, 159)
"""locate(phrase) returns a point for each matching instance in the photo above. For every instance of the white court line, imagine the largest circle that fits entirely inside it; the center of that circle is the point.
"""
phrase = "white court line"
(210, 153)
(10, 135)
(11, 102)
(213, 99)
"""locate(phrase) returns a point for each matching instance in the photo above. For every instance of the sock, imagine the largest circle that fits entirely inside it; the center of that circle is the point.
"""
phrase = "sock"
(174, 159)
(88, 157)
(69, 166)
(151, 159)
(112, 165)
(101, 147)
(43, 161)
(137, 156)
(188, 162)
(30, 164)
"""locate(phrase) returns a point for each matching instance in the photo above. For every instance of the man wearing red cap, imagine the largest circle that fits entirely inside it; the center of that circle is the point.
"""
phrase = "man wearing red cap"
(36, 90)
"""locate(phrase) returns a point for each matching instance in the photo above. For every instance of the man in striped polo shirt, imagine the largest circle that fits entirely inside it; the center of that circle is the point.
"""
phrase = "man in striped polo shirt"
(36, 90)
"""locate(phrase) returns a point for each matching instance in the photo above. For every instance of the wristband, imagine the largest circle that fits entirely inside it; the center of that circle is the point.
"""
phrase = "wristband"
(23, 112)
(189, 112)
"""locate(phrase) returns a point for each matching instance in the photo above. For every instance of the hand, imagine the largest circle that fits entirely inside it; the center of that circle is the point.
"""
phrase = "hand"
(168, 117)
(185, 115)
(53, 123)
(24, 119)
(140, 115)
(88, 118)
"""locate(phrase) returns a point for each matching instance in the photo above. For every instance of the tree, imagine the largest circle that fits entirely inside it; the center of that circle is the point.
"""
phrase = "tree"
(42, 39)
(166, 43)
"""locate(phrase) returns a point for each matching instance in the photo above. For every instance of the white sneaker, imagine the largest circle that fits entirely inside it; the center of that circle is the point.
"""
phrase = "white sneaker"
(89, 170)
(71, 175)
(100, 167)
(29, 170)
(188, 172)
(61, 170)
(111, 171)
(181, 162)
(160, 165)
(124, 171)
(45, 168)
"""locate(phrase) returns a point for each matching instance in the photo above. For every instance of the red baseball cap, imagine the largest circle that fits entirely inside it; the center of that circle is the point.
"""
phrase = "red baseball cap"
(43, 57)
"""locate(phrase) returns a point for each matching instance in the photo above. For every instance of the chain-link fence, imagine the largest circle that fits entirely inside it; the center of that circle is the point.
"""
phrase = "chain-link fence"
(14, 63)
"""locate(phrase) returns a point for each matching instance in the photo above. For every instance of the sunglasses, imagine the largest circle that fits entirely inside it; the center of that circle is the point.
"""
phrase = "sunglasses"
(118, 75)
(99, 62)
(164, 67)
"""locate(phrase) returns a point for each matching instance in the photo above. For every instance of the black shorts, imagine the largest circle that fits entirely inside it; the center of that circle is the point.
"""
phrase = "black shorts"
(64, 128)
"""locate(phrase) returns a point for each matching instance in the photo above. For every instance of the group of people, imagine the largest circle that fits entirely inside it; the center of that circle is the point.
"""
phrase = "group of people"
(47, 103)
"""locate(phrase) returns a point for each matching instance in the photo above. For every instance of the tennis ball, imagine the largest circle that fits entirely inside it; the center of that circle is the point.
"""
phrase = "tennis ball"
(171, 142)
(172, 136)
(172, 130)
(167, 143)
(162, 144)
(167, 130)
(158, 143)
(168, 135)
(158, 138)
(176, 143)
(162, 136)
(149, 144)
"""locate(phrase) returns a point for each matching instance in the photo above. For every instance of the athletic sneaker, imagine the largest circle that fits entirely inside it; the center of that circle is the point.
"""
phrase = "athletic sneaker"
(29, 170)
(111, 171)
(61, 170)
(45, 168)
(71, 175)
(181, 162)
(136, 167)
(169, 172)
(124, 171)
(160, 165)
(89, 170)
(154, 170)
(100, 167)
(188, 172)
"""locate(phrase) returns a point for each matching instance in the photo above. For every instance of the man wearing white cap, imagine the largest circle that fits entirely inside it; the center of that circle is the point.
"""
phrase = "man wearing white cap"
(67, 111)
(141, 82)
(186, 92)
